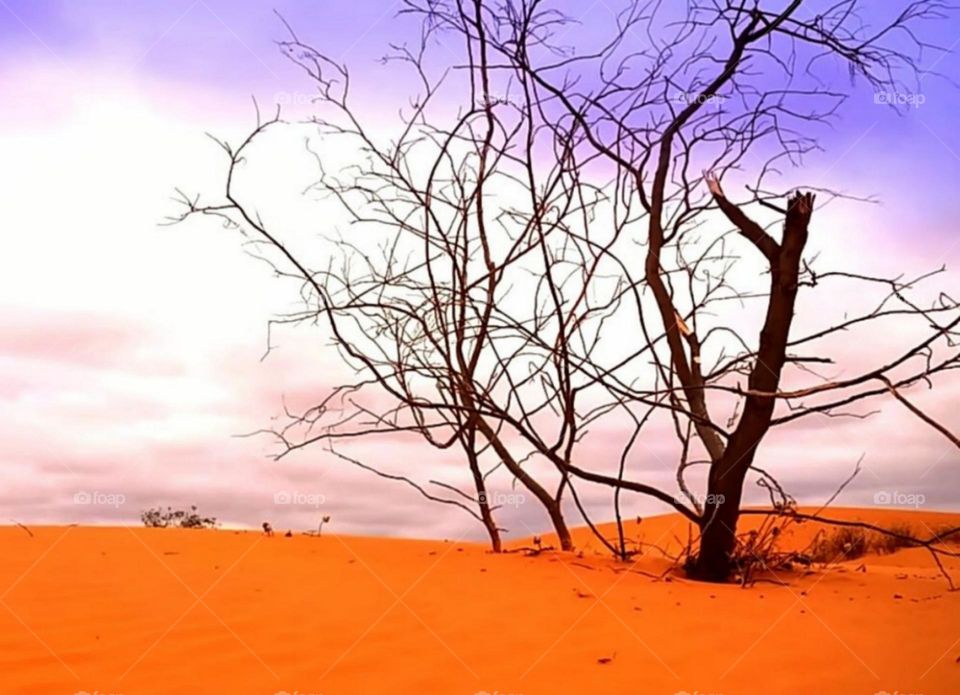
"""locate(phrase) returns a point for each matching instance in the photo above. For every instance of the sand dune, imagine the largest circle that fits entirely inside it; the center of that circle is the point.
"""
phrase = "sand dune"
(123, 610)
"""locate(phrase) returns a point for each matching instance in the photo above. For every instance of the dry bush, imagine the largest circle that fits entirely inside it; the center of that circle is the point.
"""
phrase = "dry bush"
(850, 543)
(158, 517)
(758, 551)
(884, 544)
(839, 545)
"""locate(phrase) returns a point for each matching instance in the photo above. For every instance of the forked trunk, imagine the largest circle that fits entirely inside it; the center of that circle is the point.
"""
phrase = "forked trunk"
(554, 510)
(729, 471)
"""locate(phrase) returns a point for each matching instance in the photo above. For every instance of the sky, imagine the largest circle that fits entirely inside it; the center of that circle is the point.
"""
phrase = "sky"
(130, 352)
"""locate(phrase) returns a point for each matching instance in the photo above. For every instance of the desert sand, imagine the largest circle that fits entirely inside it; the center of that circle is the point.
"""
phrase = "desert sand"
(133, 610)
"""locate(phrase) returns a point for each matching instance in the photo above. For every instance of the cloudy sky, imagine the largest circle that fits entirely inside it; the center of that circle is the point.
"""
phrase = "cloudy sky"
(130, 352)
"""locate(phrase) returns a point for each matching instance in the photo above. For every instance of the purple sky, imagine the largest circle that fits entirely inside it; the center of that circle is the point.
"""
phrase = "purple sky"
(129, 356)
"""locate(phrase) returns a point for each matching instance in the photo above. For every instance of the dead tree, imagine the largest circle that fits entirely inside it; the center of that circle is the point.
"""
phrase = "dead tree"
(434, 297)
(676, 91)
(545, 258)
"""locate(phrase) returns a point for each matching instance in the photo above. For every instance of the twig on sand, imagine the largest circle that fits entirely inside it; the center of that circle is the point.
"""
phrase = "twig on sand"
(17, 523)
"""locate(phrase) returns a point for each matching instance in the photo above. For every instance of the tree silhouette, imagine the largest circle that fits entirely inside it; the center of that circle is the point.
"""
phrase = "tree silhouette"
(543, 249)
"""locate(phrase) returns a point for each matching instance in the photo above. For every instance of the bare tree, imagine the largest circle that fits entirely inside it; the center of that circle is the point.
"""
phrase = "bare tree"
(647, 109)
(547, 257)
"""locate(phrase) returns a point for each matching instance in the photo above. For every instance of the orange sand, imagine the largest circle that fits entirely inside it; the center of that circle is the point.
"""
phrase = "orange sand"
(117, 610)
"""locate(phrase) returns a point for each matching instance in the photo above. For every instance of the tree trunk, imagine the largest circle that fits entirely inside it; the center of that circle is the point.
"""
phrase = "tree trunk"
(719, 528)
(552, 506)
(728, 473)
(486, 512)
(495, 543)
(560, 526)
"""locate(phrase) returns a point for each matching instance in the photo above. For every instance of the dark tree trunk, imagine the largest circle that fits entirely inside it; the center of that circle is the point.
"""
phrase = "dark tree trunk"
(553, 507)
(728, 473)
(560, 526)
(718, 530)
(486, 511)
(495, 543)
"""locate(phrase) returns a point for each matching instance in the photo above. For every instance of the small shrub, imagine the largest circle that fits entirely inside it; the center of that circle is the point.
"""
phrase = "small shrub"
(842, 544)
(758, 551)
(849, 543)
(157, 517)
(883, 544)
